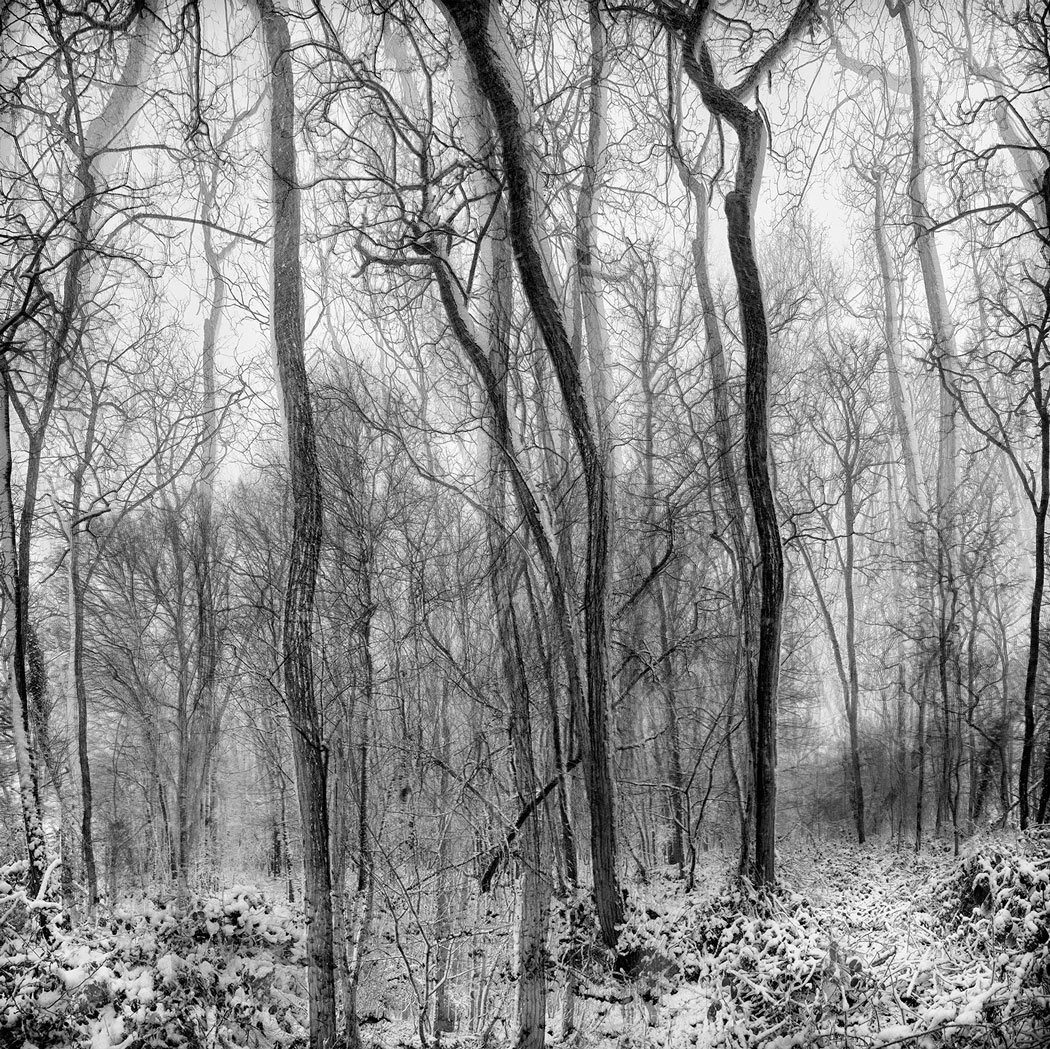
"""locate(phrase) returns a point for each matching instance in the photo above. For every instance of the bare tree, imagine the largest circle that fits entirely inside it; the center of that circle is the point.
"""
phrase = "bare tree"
(288, 333)
(726, 104)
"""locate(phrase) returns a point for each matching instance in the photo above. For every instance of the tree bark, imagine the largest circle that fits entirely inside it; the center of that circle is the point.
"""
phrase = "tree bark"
(76, 659)
(300, 697)
(943, 350)
(359, 542)
(205, 723)
(1035, 616)
(749, 126)
(534, 895)
(484, 39)
(920, 778)
(588, 264)
(14, 657)
(891, 334)
(728, 475)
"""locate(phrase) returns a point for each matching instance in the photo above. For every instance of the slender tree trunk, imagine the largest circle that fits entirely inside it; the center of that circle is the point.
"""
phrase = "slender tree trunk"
(535, 891)
(76, 663)
(534, 894)
(305, 549)
(853, 674)
(361, 565)
(943, 350)
(500, 82)
(363, 897)
(14, 658)
(443, 1015)
(1035, 615)
(204, 726)
(844, 654)
(664, 672)
(740, 205)
(920, 777)
(728, 475)
(891, 334)
(592, 299)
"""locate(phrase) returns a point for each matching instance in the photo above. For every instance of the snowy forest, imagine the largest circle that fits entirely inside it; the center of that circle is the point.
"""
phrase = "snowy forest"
(523, 523)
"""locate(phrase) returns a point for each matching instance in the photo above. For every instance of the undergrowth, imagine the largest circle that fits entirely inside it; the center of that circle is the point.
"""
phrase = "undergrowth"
(859, 948)
(204, 971)
(880, 950)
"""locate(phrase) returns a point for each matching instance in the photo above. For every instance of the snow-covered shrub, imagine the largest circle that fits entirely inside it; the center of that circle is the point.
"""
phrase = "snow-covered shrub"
(212, 972)
(860, 959)
(743, 966)
(1001, 898)
(21, 916)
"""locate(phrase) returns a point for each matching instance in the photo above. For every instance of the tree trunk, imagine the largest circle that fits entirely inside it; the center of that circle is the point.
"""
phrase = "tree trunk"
(943, 351)
(846, 668)
(891, 334)
(500, 82)
(443, 1021)
(1035, 615)
(361, 564)
(740, 206)
(728, 475)
(530, 941)
(363, 898)
(853, 674)
(76, 662)
(205, 724)
(589, 269)
(14, 658)
(664, 671)
(920, 777)
(305, 549)
(531, 937)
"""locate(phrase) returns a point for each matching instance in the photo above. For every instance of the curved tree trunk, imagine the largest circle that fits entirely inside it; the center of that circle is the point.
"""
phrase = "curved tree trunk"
(728, 475)
(749, 126)
(304, 554)
(499, 79)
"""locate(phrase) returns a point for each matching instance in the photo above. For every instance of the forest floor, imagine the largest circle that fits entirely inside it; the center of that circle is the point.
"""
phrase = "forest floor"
(862, 947)
(859, 948)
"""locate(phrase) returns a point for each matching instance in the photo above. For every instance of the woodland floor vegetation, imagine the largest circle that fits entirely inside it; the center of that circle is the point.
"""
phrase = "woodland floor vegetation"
(866, 947)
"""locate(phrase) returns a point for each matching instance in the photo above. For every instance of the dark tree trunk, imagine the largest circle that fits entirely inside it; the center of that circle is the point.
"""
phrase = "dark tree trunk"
(488, 49)
(305, 549)
(76, 651)
(1035, 618)
(14, 655)
(728, 475)
(920, 777)
(740, 204)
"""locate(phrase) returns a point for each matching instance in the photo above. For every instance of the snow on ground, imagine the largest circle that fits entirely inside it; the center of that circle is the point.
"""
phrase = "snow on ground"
(863, 947)
(859, 948)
